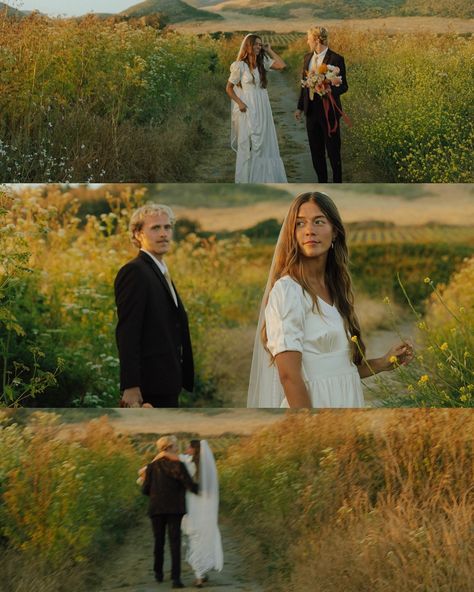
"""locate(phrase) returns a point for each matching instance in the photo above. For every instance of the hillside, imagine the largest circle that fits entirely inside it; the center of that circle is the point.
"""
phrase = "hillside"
(10, 10)
(175, 11)
(345, 8)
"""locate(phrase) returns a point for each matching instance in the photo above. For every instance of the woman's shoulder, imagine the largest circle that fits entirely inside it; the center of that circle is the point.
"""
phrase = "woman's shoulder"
(287, 286)
(237, 65)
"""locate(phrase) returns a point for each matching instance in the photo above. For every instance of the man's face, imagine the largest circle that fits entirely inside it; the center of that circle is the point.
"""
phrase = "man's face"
(314, 233)
(156, 234)
(312, 41)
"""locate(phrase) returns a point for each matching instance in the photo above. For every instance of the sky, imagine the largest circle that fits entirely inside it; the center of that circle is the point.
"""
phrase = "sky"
(78, 7)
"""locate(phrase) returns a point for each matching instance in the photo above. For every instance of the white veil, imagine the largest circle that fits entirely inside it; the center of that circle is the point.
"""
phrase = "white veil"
(204, 550)
(265, 388)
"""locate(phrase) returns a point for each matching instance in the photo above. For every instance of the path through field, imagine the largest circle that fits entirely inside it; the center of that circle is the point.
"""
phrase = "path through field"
(217, 160)
(130, 569)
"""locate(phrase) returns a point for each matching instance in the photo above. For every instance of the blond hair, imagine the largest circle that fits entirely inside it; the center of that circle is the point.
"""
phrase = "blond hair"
(166, 442)
(138, 218)
(320, 33)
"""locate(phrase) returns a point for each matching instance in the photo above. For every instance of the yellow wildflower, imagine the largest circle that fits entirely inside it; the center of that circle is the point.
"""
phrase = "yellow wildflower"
(444, 346)
(393, 359)
(423, 379)
(427, 280)
(354, 338)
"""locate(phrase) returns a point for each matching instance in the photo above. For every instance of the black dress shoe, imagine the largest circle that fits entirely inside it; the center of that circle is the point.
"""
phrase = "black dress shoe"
(178, 584)
(159, 578)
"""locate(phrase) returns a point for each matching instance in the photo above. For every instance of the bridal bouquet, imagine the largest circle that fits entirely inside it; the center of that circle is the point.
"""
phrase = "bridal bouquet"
(321, 80)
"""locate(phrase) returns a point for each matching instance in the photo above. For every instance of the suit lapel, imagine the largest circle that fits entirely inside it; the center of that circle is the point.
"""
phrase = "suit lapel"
(327, 57)
(161, 277)
(307, 60)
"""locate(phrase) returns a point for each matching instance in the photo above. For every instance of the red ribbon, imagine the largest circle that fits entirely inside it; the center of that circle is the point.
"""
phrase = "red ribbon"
(329, 101)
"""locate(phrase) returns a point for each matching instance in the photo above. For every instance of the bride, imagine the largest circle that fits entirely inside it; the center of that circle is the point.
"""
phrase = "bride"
(204, 546)
(253, 134)
(308, 349)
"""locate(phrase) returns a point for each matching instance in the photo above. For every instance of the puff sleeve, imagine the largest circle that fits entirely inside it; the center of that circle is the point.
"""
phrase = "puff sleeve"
(268, 62)
(235, 72)
(285, 317)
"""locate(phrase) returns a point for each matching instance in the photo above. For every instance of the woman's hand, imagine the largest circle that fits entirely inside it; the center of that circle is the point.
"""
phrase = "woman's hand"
(400, 354)
(242, 106)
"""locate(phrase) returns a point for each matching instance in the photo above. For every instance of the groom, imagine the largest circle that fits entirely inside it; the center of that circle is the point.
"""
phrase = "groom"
(152, 333)
(166, 482)
(317, 125)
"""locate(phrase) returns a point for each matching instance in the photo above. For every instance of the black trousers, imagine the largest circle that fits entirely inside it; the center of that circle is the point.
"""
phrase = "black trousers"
(160, 522)
(320, 142)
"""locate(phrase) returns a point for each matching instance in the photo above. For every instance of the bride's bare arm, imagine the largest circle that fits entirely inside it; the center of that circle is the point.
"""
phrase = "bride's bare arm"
(291, 378)
(229, 89)
(278, 63)
(400, 354)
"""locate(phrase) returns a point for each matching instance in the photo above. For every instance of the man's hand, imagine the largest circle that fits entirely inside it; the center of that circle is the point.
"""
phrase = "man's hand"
(298, 115)
(132, 397)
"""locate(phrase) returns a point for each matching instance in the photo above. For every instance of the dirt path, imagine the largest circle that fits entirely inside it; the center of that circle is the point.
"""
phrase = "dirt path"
(217, 161)
(130, 569)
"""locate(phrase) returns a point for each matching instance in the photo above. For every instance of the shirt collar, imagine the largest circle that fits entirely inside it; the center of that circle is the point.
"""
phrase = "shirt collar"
(322, 54)
(161, 264)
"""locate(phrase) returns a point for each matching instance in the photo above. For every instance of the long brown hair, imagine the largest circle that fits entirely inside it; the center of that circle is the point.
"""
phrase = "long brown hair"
(247, 55)
(289, 261)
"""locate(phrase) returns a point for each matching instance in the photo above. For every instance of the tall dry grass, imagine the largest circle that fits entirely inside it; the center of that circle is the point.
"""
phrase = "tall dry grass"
(93, 100)
(358, 500)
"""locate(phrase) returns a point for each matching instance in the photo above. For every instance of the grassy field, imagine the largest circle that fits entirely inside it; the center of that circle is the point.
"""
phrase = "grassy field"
(357, 500)
(58, 313)
(97, 100)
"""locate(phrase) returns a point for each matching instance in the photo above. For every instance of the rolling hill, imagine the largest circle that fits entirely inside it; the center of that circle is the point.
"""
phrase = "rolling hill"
(174, 11)
(10, 10)
(344, 8)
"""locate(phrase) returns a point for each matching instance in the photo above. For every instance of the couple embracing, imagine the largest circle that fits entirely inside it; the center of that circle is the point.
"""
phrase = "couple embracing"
(253, 135)
(184, 496)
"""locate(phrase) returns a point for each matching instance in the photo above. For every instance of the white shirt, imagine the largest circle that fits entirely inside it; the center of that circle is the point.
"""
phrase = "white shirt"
(317, 59)
(164, 270)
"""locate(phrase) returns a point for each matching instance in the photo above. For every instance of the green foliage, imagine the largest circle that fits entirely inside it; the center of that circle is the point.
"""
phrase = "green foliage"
(64, 500)
(375, 267)
(94, 100)
(175, 11)
(411, 109)
(443, 372)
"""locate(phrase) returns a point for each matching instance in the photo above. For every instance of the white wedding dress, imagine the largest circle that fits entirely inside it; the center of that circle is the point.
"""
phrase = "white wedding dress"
(253, 134)
(200, 523)
(330, 375)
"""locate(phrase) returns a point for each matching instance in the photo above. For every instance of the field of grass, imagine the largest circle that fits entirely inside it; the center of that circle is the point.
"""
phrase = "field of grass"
(69, 496)
(64, 502)
(97, 100)
(57, 320)
(410, 117)
(374, 500)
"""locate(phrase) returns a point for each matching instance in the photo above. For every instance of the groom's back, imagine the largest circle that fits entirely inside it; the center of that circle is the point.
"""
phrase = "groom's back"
(166, 482)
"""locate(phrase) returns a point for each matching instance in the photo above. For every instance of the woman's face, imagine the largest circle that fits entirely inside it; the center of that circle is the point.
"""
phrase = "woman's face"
(257, 46)
(314, 232)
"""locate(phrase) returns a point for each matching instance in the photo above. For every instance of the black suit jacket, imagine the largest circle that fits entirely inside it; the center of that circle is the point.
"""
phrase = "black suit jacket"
(152, 332)
(166, 482)
(304, 102)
